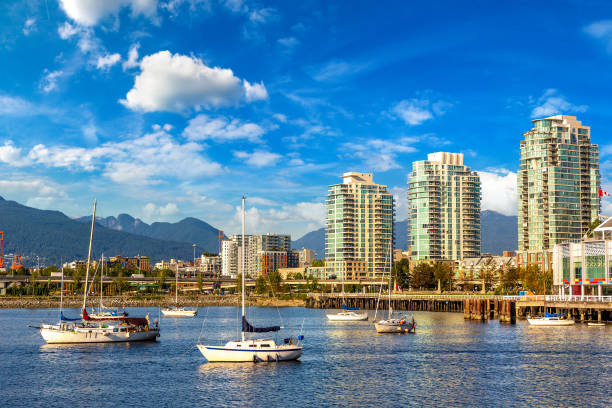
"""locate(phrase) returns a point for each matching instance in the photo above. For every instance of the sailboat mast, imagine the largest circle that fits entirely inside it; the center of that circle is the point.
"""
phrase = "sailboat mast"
(101, 282)
(93, 219)
(243, 265)
(390, 273)
(62, 293)
(176, 285)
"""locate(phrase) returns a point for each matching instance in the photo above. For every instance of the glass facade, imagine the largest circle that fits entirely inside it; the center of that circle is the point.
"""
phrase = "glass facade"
(557, 182)
(444, 209)
(360, 216)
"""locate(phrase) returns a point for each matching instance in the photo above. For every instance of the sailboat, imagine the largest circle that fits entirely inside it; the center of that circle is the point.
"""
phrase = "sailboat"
(390, 325)
(252, 350)
(177, 311)
(90, 330)
(348, 314)
(104, 313)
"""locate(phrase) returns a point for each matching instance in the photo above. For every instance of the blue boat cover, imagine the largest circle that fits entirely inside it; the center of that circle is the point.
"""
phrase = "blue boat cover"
(554, 315)
(345, 307)
(66, 319)
(248, 328)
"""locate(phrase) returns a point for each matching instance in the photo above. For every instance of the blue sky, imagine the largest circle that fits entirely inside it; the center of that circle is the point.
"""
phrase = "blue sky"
(171, 108)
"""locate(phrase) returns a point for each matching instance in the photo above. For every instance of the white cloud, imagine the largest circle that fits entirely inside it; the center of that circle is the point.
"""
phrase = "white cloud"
(68, 31)
(602, 31)
(132, 60)
(41, 187)
(262, 16)
(29, 26)
(288, 42)
(12, 155)
(552, 103)
(220, 129)
(380, 154)
(149, 159)
(296, 219)
(255, 92)
(91, 12)
(339, 70)
(178, 83)
(258, 158)
(604, 150)
(151, 210)
(499, 191)
(15, 106)
(49, 81)
(414, 111)
(107, 61)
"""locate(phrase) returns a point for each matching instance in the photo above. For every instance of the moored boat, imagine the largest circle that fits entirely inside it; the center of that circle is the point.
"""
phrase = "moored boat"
(252, 350)
(551, 319)
(176, 311)
(347, 316)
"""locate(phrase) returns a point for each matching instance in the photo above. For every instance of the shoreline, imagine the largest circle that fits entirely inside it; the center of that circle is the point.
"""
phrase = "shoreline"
(52, 302)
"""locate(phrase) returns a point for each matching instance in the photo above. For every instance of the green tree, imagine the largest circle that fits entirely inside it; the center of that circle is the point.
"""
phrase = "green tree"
(275, 280)
(422, 276)
(401, 272)
(313, 285)
(591, 227)
(532, 279)
(261, 285)
(443, 273)
(318, 262)
(509, 279)
(297, 276)
(200, 282)
(121, 284)
(239, 283)
(488, 275)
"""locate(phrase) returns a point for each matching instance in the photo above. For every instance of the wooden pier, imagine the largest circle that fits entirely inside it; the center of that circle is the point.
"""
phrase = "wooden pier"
(474, 307)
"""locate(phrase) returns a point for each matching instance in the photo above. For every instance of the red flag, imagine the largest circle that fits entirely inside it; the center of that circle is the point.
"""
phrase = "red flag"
(602, 193)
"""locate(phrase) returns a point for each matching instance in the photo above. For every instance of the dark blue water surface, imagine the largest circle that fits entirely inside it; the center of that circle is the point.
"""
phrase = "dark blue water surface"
(448, 362)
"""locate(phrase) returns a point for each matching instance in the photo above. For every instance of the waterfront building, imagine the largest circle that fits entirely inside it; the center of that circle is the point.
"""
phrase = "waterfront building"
(557, 186)
(473, 267)
(229, 258)
(359, 233)
(584, 267)
(270, 261)
(305, 257)
(444, 208)
(210, 266)
(253, 245)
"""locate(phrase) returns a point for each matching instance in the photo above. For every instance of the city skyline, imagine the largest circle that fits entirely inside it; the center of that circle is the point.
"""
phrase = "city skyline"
(170, 109)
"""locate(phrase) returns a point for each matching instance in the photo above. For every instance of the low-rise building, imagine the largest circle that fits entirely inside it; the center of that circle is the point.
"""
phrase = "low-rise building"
(474, 266)
(584, 267)
(210, 266)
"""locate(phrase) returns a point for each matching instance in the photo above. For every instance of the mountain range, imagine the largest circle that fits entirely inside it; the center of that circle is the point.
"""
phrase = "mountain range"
(55, 237)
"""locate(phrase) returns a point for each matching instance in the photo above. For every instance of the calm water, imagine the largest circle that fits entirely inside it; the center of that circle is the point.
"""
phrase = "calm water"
(448, 362)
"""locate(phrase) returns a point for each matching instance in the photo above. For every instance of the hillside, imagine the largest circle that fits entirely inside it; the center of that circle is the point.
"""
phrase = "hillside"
(53, 237)
(189, 230)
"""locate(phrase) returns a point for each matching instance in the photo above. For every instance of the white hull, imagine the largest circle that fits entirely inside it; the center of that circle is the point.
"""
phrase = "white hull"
(596, 324)
(393, 326)
(55, 335)
(546, 321)
(347, 317)
(240, 352)
(180, 312)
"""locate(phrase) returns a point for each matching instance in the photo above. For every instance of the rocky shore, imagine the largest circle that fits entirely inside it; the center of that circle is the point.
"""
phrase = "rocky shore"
(29, 302)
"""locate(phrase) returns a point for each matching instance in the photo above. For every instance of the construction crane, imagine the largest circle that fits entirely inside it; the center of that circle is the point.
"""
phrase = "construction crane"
(221, 239)
(17, 262)
(1, 249)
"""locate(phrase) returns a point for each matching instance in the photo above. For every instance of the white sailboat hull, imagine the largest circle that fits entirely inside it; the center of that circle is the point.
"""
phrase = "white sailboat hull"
(232, 354)
(55, 335)
(393, 326)
(545, 321)
(347, 317)
(180, 312)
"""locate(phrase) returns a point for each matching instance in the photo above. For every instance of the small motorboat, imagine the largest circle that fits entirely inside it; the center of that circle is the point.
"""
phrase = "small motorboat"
(551, 319)
(594, 324)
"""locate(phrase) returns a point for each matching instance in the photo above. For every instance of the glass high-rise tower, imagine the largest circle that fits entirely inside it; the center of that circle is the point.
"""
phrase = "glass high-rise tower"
(558, 183)
(359, 234)
(443, 208)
